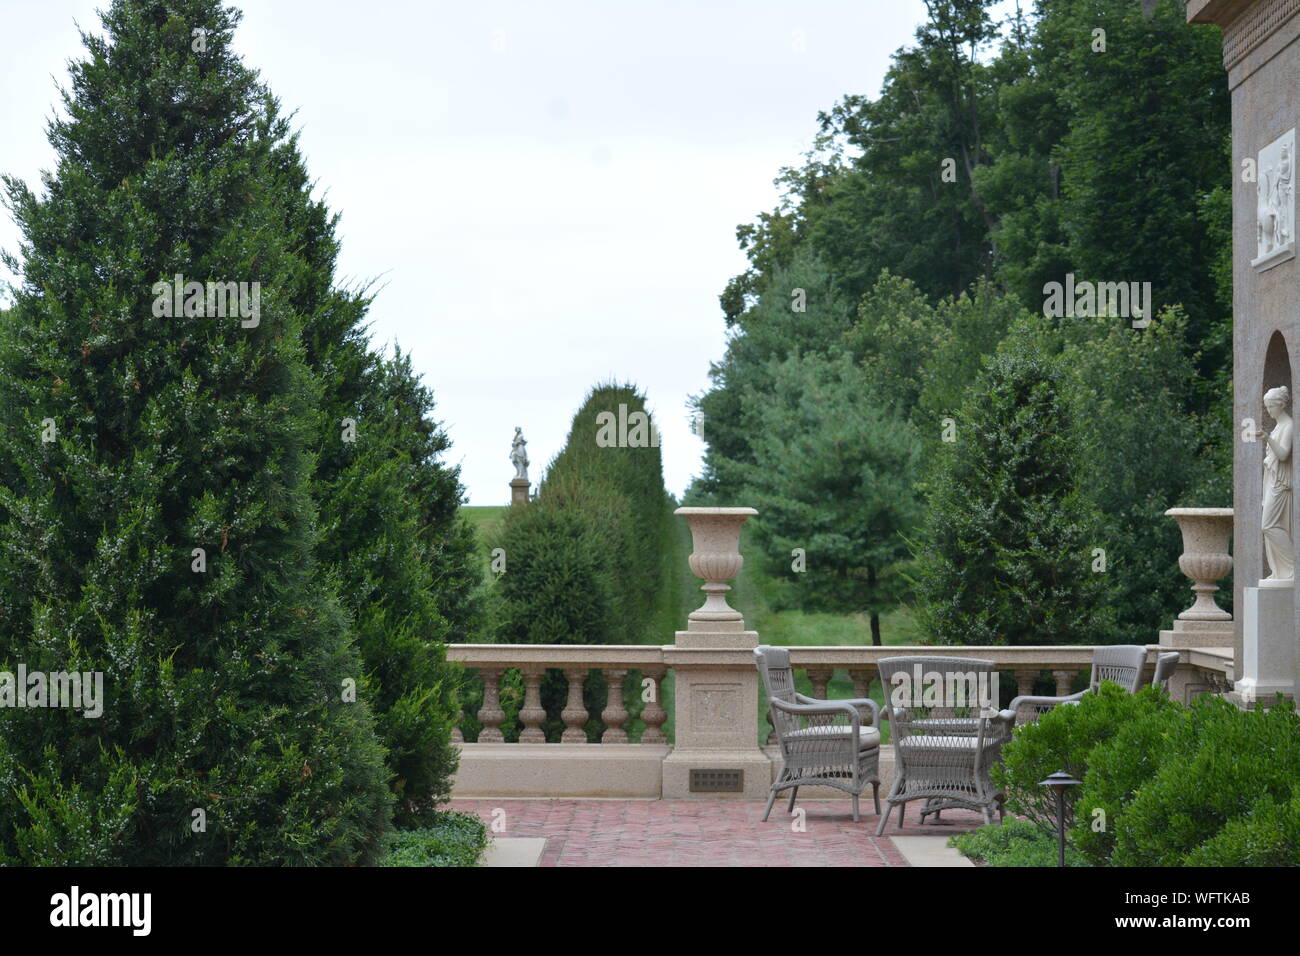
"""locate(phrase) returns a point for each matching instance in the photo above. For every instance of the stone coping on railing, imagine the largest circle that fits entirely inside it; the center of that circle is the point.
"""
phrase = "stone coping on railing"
(1207, 658)
(1044, 656)
(557, 655)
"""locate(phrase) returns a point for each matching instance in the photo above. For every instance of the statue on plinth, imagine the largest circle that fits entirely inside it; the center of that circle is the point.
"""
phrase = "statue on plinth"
(1278, 550)
(519, 455)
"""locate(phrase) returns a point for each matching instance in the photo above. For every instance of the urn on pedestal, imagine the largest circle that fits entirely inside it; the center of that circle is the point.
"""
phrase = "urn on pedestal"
(715, 535)
(1205, 559)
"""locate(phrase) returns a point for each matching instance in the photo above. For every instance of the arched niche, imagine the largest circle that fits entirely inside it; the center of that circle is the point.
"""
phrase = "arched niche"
(1277, 371)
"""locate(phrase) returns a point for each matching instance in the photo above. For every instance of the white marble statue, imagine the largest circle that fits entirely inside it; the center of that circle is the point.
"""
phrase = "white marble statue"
(519, 455)
(1278, 550)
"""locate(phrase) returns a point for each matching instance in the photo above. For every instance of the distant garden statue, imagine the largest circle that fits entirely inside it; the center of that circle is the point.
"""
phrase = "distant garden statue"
(519, 458)
(519, 455)
(1277, 490)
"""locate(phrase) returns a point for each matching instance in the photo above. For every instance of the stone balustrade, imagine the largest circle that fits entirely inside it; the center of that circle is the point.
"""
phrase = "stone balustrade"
(719, 716)
(572, 766)
(576, 663)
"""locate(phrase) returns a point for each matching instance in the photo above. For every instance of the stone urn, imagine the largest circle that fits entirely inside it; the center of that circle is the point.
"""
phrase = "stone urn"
(1205, 558)
(715, 535)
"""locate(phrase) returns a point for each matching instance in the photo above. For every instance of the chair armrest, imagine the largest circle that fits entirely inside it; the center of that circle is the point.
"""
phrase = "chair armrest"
(866, 702)
(822, 707)
(1003, 723)
(1016, 703)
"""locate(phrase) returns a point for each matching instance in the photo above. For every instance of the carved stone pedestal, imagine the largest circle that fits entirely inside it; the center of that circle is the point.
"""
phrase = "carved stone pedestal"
(518, 491)
(1268, 664)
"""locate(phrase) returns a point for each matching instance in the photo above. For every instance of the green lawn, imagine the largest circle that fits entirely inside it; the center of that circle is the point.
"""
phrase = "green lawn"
(486, 520)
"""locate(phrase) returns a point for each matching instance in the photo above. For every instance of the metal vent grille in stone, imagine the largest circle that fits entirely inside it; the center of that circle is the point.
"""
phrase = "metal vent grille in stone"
(717, 781)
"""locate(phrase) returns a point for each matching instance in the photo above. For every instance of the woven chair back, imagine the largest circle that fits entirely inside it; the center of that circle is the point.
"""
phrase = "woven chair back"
(1121, 663)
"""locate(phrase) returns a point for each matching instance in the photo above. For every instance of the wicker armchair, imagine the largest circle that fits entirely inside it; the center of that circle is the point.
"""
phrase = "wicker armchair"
(1165, 665)
(1120, 663)
(943, 752)
(831, 743)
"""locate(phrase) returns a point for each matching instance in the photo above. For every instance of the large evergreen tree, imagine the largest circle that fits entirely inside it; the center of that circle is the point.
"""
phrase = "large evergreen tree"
(227, 672)
(834, 487)
(1128, 390)
(400, 573)
(391, 532)
(801, 311)
(1007, 554)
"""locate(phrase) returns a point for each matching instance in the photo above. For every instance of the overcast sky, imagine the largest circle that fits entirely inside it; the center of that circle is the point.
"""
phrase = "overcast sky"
(548, 191)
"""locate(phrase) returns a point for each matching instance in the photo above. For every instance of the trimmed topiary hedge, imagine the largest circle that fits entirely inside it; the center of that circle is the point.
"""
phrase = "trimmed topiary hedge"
(584, 561)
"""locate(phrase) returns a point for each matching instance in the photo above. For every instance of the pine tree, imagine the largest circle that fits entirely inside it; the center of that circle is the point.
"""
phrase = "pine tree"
(834, 490)
(1007, 557)
(157, 521)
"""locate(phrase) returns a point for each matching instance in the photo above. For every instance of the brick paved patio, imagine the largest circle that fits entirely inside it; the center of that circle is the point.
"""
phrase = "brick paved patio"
(707, 833)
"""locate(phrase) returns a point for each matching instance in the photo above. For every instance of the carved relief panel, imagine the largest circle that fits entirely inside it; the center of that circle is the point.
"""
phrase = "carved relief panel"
(1275, 205)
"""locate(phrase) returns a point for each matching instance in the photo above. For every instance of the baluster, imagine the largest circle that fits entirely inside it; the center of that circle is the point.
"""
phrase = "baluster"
(531, 714)
(819, 678)
(1063, 681)
(1025, 682)
(653, 713)
(490, 714)
(615, 713)
(574, 714)
(861, 686)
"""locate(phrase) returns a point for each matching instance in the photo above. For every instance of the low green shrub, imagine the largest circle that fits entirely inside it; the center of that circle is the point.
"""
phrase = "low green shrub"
(1219, 765)
(453, 839)
(1269, 835)
(558, 588)
(1014, 843)
(1163, 784)
(1065, 739)
(1119, 766)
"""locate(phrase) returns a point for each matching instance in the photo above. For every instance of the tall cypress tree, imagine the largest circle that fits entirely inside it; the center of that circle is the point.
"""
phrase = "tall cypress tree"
(157, 522)
(402, 569)
(392, 536)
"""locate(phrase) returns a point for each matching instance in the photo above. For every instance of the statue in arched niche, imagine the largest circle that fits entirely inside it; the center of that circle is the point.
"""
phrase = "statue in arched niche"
(1278, 549)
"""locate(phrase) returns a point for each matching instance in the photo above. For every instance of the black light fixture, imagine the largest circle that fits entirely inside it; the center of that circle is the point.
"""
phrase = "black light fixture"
(1058, 782)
